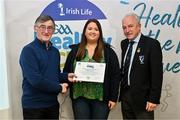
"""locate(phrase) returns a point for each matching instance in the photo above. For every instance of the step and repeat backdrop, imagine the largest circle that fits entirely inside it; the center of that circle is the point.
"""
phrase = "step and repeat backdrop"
(160, 20)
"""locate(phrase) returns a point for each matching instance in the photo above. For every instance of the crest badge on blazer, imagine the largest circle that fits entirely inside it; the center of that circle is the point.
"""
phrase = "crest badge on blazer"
(141, 59)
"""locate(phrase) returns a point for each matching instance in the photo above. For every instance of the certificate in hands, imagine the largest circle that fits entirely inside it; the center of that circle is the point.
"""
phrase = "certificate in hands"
(90, 72)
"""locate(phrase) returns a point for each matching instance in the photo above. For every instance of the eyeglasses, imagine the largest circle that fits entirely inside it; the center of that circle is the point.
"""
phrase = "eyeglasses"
(44, 28)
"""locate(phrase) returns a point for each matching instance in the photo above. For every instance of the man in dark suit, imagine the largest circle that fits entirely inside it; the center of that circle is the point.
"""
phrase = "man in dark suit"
(142, 71)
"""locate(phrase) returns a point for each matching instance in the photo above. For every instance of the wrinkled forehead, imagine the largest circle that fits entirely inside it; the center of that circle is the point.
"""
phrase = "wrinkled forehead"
(129, 20)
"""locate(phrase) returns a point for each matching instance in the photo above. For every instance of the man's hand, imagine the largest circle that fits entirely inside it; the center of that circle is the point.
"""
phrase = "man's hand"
(64, 87)
(111, 104)
(150, 106)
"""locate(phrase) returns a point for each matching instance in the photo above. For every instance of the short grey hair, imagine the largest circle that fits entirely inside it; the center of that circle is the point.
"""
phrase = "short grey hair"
(134, 15)
(44, 18)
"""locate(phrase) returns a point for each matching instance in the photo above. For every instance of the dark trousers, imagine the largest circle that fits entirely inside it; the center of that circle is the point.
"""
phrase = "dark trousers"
(129, 111)
(90, 109)
(41, 113)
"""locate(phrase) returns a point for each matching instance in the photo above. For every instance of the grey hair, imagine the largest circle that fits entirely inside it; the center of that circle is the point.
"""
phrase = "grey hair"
(134, 15)
(44, 18)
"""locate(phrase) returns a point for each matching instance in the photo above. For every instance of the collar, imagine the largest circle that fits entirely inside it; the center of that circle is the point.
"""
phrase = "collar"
(136, 40)
(43, 44)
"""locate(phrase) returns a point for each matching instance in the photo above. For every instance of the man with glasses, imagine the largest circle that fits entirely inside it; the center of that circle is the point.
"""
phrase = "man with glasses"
(42, 78)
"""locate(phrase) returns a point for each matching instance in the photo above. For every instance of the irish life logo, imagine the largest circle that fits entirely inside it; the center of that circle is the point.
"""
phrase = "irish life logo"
(70, 17)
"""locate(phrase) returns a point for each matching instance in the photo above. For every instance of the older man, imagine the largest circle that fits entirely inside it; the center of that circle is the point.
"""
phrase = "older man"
(142, 71)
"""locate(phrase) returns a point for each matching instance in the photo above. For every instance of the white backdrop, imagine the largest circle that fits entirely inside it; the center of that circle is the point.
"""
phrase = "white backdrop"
(159, 20)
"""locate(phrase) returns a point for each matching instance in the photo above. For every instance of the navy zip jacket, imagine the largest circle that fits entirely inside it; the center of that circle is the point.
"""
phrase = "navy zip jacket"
(41, 75)
(112, 72)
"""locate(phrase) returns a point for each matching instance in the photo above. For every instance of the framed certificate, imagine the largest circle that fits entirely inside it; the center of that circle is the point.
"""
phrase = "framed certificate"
(90, 71)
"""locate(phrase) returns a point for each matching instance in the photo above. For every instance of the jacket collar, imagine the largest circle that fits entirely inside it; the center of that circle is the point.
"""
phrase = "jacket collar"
(43, 44)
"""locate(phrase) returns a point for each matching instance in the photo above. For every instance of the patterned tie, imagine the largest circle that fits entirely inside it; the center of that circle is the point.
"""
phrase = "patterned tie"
(126, 65)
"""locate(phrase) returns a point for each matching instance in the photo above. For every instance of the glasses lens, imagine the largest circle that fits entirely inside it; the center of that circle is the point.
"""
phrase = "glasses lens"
(49, 28)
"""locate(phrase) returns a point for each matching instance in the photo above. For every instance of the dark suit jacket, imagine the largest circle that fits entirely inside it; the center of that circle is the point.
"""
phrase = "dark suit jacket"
(145, 76)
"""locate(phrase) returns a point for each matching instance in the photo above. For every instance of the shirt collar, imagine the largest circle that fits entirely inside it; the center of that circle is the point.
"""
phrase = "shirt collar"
(136, 40)
(43, 44)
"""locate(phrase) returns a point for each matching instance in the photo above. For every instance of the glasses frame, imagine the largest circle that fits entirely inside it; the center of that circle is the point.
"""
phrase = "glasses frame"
(43, 28)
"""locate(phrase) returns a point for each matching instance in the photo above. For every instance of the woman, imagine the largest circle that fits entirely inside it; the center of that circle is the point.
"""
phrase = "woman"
(91, 100)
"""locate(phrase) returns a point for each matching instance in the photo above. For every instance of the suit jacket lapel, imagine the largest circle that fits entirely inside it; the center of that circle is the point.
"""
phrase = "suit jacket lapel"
(139, 51)
(124, 48)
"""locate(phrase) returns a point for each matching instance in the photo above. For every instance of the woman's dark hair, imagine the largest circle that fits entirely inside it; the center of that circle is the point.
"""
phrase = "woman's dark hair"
(98, 53)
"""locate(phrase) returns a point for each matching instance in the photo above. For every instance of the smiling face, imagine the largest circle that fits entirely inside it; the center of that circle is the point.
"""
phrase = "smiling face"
(131, 27)
(44, 31)
(92, 32)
